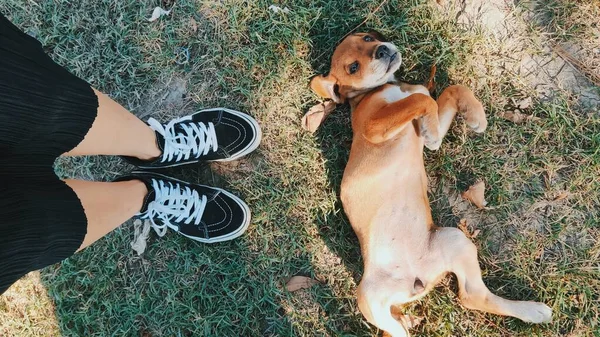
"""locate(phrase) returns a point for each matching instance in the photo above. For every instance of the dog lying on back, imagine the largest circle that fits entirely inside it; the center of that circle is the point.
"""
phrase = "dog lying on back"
(384, 187)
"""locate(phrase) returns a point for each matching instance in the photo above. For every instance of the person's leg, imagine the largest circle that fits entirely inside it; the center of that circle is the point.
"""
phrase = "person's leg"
(116, 131)
(107, 205)
(218, 134)
(202, 213)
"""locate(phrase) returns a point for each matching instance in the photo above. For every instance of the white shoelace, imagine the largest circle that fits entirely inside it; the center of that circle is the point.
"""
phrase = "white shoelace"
(172, 202)
(196, 139)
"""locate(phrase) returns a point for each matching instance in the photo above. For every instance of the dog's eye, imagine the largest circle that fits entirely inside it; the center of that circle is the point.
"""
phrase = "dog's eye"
(368, 38)
(353, 68)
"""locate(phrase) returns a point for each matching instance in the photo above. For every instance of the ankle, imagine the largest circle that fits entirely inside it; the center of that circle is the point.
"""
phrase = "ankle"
(141, 192)
(152, 151)
(148, 156)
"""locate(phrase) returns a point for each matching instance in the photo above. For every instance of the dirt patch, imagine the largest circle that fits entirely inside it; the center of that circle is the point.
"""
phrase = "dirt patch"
(165, 97)
(545, 217)
(516, 46)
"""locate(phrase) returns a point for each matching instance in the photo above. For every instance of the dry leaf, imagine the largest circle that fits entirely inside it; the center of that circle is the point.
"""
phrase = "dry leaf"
(299, 282)
(412, 322)
(409, 321)
(517, 117)
(193, 25)
(561, 196)
(525, 103)
(475, 194)
(316, 115)
(462, 225)
(277, 9)
(540, 253)
(578, 298)
(157, 13)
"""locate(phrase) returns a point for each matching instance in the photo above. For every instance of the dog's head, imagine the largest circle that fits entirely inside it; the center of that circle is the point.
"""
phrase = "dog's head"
(361, 62)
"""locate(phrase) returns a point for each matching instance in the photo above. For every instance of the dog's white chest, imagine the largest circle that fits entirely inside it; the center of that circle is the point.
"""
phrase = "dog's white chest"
(393, 93)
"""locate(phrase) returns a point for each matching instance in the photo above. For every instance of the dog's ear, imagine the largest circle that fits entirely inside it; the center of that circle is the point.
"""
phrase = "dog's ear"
(326, 87)
(378, 35)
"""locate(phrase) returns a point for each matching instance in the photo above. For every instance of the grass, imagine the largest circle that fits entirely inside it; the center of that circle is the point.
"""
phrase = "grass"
(246, 57)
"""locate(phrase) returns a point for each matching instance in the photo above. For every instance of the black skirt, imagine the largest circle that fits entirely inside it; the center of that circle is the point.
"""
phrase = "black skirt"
(44, 112)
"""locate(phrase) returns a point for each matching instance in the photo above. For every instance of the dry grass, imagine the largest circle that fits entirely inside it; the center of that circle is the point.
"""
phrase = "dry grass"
(26, 310)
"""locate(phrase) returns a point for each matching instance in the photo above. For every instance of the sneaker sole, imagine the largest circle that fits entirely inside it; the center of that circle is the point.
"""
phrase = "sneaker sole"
(248, 149)
(241, 230)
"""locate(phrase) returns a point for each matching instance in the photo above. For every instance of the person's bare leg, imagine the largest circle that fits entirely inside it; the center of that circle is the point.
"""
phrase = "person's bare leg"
(107, 205)
(117, 131)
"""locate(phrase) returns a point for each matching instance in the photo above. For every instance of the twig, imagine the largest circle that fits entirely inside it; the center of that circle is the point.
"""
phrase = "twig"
(578, 65)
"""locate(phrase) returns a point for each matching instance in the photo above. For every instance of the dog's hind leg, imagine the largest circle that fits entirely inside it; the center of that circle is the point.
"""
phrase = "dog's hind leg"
(460, 257)
(375, 300)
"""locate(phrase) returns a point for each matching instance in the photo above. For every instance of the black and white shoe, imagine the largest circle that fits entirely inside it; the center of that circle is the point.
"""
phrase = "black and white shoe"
(202, 213)
(218, 134)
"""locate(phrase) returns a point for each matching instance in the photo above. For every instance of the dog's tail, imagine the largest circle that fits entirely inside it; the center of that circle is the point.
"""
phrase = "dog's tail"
(375, 301)
(430, 85)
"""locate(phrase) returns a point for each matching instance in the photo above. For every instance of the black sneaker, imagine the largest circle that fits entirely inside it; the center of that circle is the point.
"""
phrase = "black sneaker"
(209, 135)
(201, 213)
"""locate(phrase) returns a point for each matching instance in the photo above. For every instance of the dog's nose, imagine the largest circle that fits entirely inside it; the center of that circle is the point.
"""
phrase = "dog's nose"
(381, 51)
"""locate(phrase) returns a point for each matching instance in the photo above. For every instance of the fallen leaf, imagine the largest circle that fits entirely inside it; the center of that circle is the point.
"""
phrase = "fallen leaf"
(316, 115)
(462, 225)
(277, 9)
(525, 103)
(409, 321)
(412, 321)
(561, 196)
(157, 13)
(193, 25)
(300, 282)
(517, 117)
(475, 194)
(540, 253)
(578, 298)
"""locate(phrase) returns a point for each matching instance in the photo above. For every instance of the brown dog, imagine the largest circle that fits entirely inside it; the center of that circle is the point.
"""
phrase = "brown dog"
(384, 188)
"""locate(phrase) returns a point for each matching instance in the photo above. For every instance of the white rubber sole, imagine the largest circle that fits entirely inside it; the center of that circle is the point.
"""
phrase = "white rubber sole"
(229, 237)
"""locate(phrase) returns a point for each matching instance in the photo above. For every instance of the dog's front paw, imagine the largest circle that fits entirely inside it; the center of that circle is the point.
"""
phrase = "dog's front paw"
(535, 312)
(430, 134)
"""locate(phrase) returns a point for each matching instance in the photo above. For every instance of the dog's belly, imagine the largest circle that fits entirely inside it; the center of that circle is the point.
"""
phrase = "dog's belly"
(390, 214)
(386, 200)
